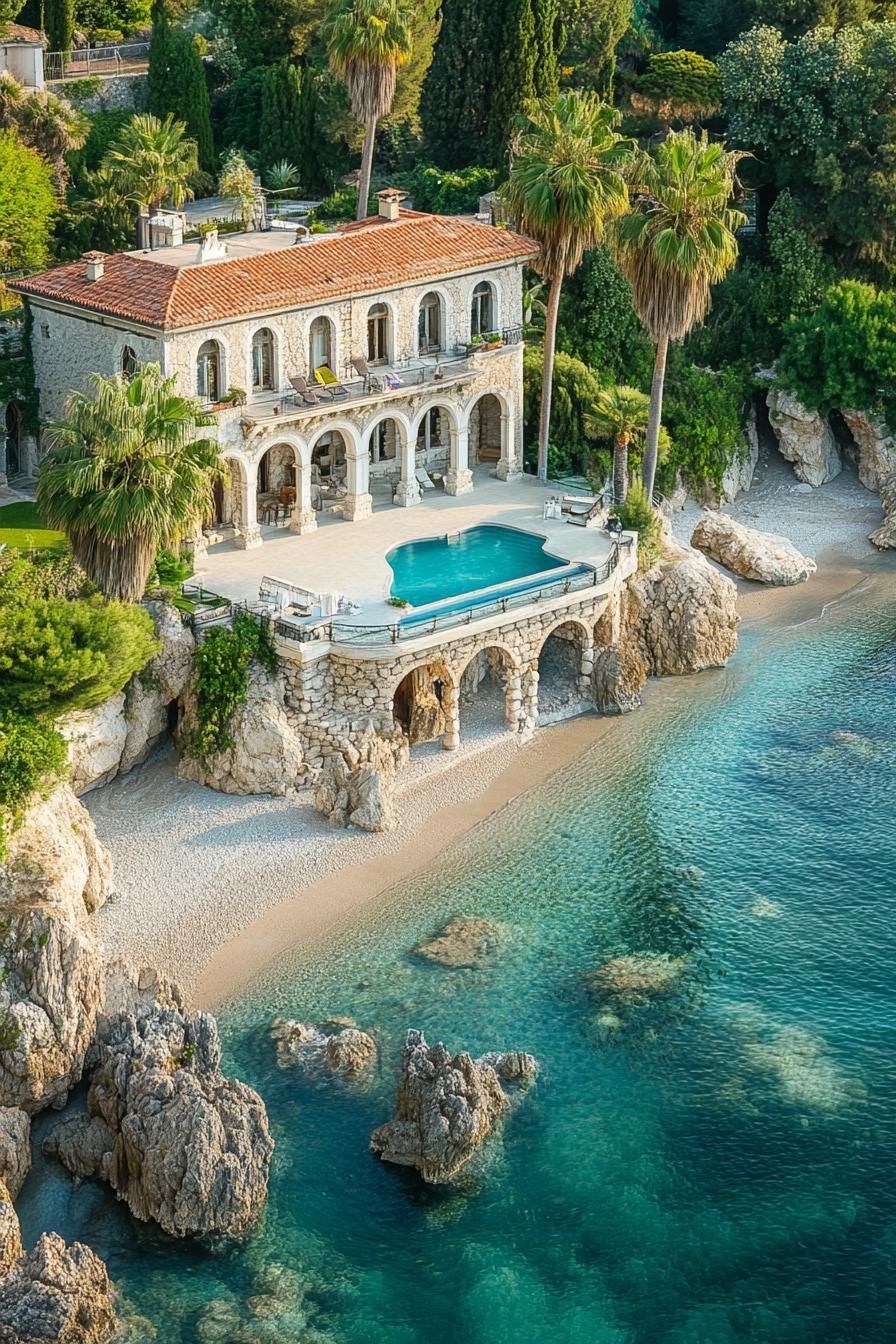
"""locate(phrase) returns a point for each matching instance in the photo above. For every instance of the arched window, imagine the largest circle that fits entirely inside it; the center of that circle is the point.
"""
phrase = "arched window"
(482, 310)
(128, 363)
(378, 334)
(262, 360)
(321, 344)
(208, 372)
(429, 324)
(383, 441)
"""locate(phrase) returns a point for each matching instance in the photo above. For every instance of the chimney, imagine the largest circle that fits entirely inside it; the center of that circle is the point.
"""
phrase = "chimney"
(212, 248)
(94, 263)
(390, 203)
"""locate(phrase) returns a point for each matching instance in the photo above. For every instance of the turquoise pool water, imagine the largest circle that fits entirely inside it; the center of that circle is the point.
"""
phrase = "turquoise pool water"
(715, 1167)
(479, 557)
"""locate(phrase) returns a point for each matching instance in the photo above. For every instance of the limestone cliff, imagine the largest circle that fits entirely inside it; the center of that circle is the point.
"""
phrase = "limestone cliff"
(875, 448)
(885, 536)
(679, 617)
(55, 875)
(804, 437)
(56, 1294)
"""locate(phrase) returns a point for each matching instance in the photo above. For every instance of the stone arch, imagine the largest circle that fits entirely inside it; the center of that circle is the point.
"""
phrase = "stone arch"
(487, 419)
(565, 663)
(424, 704)
(342, 462)
(263, 359)
(231, 501)
(489, 689)
(380, 328)
(211, 369)
(322, 344)
(435, 436)
(424, 336)
(399, 419)
(484, 316)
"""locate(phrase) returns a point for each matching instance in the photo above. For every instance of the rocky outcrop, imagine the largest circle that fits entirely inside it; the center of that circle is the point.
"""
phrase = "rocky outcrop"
(875, 447)
(447, 1106)
(15, 1148)
(356, 784)
(679, 617)
(335, 1046)
(267, 754)
(56, 874)
(10, 1232)
(804, 437)
(760, 556)
(884, 536)
(464, 942)
(118, 734)
(178, 1142)
(738, 474)
(57, 1294)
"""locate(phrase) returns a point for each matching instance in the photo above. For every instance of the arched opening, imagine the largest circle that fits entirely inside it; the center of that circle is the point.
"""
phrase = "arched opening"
(560, 670)
(378, 334)
(424, 703)
(13, 439)
(321, 344)
(489, 699)
(128, 363)
(209, 372)
(430, 327)
(433, 446)
(229, 497)
(482, 310)
(384, 447)
(486, 431)
(263, 360)
(384, 442)
(276, 484)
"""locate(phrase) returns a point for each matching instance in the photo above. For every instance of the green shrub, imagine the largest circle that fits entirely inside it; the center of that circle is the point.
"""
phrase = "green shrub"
(598, 323)
(637, 515)
(32, 758)
(704, 412)
(42, 575)
(447, 193)
(58, 655)
(222, 664)
(679, 84)
(575, 389)
(168, 571)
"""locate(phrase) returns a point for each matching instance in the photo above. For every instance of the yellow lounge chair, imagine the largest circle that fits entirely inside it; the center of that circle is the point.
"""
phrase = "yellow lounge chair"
(327, 378)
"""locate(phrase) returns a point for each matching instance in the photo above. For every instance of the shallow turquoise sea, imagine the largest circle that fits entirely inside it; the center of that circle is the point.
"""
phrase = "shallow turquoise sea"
(715, 1166)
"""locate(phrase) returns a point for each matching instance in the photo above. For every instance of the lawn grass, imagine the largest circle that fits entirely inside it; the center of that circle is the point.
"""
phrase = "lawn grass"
(22, 530)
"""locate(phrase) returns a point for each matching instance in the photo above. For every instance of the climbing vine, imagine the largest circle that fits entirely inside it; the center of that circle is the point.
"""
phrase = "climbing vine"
(222, 663)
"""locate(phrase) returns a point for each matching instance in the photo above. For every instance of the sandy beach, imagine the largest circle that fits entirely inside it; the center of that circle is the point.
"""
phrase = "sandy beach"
(213, 888)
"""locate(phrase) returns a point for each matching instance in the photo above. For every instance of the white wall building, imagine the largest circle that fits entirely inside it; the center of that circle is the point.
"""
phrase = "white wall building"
(414, 320)
(22, 54)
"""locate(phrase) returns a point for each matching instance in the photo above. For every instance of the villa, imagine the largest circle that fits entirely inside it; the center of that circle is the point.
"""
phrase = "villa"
(352, 375)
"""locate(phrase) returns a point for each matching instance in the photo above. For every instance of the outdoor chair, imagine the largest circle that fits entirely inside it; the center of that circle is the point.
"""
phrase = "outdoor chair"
(361, 368)
(424, 478)
(309, 395)
(327, 379)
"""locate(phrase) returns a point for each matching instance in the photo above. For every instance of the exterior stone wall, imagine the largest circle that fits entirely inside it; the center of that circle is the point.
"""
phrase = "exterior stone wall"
(68, 349)
(119, 93)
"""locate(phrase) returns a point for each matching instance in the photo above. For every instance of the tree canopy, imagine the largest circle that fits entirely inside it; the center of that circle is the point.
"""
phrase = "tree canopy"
(28, 205)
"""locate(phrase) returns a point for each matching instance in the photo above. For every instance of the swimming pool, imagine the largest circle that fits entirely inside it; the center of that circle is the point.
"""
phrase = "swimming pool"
(463, 562)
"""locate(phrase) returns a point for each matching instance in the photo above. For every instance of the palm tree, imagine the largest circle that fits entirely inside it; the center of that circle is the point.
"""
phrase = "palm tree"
(152, 161)
(677, 241)
(566, 180)
(367, 41)
(126, 473)
(44, 122)
(619, 413)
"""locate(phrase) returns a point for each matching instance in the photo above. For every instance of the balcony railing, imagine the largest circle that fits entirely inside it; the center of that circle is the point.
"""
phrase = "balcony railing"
(83, 62)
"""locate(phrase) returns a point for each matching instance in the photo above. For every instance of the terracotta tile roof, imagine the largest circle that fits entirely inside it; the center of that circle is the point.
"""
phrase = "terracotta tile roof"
(16, 32)
(376, 255)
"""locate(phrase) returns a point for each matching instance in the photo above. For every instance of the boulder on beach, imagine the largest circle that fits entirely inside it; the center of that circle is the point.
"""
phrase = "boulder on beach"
(340, 1047)
(356, 784)
(466, 941)
(15, 1148)
(804, 437)
(57, 1294)
(760, 556)
(447, 1106)
(639, 976)
(181, 1144)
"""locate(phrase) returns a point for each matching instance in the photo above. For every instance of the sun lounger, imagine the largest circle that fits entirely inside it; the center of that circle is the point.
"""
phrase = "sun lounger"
(587, 512)
(326, 378)
(424, 478)
(309, 395)
(362, 369)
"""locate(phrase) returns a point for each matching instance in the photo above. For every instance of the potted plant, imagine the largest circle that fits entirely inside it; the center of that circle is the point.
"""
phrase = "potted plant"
(235, 396)
(475, 344)
(492, 341)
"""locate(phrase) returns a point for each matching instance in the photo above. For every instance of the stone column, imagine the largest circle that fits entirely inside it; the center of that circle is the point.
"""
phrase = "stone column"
(451, 710)
(586, 673)
(459, 478)
(303, 518)
(407, 491)
(358, 501)
(513, 700)
(508, 466)
(249, 535)
(528, 715)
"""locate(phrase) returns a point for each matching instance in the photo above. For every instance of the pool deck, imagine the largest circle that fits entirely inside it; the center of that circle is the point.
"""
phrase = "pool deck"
(350, 558)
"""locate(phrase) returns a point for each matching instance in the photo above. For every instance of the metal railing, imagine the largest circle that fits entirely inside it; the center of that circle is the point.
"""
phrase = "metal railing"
(83, 62)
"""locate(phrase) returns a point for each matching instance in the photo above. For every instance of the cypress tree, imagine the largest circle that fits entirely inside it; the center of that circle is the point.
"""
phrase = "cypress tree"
(59, 18)
(177, 84)
(455, 106)
(529, 68)
(283, 116)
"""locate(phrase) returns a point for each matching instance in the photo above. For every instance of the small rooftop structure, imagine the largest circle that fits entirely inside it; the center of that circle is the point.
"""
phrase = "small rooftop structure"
(22, 54)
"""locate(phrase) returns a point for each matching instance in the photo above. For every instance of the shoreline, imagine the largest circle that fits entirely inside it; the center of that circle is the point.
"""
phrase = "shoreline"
(346, 895)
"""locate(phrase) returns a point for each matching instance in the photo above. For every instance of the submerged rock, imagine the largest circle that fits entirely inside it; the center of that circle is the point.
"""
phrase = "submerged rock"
(55, 875)
(465, 941)
(341, 1048)
(640, 975)
(15, 1148)
(805, 1076)
(763, 908)
(57, 1294)
(804, 437)
(753, 555)
(447, 1106)
(181, 1144)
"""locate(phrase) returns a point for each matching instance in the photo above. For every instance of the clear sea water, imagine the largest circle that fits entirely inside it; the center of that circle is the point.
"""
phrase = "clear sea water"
(478, 557)
(715, 1166)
